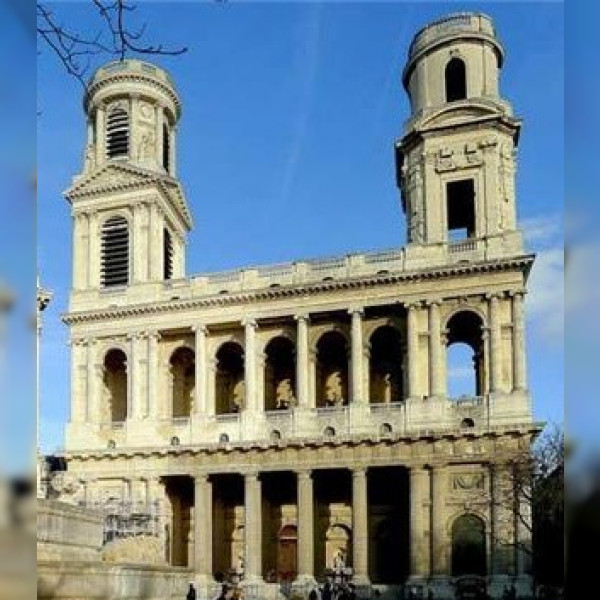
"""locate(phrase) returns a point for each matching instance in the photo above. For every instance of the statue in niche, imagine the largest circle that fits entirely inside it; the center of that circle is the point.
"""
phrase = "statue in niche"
(334, 391)
(284, 395)
(387, 388)
(339, 559)
(238, 396)
(147, 146)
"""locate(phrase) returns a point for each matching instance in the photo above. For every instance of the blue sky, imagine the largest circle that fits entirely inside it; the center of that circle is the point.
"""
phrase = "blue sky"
(290, 112)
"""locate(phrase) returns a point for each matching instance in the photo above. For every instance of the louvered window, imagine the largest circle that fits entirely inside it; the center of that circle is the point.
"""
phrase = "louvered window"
(115, 252)
(117, 133)
(168, 255)
(166, 148)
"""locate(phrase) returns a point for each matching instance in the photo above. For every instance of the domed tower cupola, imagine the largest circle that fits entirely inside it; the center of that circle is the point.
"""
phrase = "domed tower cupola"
(456, 159)
(132, 112)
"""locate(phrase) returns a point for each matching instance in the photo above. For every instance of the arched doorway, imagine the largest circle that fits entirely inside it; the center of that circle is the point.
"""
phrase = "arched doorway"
(287, 553)
(338, 547)
(468, 546)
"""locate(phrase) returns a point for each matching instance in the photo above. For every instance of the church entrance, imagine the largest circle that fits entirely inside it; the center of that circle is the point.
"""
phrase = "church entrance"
(287, 553)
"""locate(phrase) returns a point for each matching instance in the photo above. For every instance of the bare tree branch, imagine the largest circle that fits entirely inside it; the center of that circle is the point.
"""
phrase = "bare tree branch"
(115, 37)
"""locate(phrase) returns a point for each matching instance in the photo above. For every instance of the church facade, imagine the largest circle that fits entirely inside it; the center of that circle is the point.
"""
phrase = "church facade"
(291, 421)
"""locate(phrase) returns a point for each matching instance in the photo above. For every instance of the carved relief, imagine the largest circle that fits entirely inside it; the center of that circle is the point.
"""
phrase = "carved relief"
(468, 482)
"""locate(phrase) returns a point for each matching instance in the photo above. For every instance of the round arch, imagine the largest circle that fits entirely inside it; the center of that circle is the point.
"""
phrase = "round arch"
(182, 371)
(332, 353)
(115, 382)
(229, 380)
(469, 555)
(280, 373)
(386, 373)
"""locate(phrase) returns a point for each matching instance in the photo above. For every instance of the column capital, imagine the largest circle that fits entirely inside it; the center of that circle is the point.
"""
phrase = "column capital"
(304, 474)
(356, 310)
(413, 305)
(494, 296)
(304, 317)
(433, 302)
(359, 472)
(517, 294)
(251, 476)
(201, 478)
(200, 328)
(249, 322)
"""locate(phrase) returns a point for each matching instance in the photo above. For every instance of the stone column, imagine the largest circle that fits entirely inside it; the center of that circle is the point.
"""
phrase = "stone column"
(436, 383)
(159, 133)
(420, 525)
(100, 135)
(78, 380)
(253, 528)
(413, 351)
(357, 355)
(133, 404)
(203, 527)
(495, 361)
(200, 387)
(312, 375)
(154, 249)
(211, 393)
(137, 265)
(93, 267)
(151, 404)
(502, 519)
(302, 366)
(439, 540)
(519, 354)
(306, 557)
(92, 388)
(251, 401)
(80, 248)
(360, 530)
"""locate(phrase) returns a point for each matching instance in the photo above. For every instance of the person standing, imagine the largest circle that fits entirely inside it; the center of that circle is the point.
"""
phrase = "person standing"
(191, 595)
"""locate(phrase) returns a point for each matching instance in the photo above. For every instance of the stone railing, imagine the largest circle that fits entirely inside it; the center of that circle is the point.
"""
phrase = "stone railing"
(466, 21)
(462, 246)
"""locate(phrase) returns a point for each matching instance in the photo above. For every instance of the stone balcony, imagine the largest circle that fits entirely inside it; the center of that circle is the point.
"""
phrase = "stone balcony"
(421, 416)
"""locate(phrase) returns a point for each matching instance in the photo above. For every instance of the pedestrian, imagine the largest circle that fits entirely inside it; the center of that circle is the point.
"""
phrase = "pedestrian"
(313, 595)
(327, 595)
(191, 595)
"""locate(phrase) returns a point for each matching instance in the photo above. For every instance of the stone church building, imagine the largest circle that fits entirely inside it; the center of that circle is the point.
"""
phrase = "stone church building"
(291, 422)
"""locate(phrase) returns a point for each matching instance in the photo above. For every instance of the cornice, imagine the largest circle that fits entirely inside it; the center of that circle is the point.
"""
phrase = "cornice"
(348, 441)
(298, 290)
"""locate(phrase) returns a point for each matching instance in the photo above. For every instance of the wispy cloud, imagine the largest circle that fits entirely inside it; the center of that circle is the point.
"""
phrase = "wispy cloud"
(310, 62)
(542, 231)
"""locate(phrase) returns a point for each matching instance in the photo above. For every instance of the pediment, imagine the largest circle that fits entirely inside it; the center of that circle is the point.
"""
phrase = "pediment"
(458, 114)
(114, 177)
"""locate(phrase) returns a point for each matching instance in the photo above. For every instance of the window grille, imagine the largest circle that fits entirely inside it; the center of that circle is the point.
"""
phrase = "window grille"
(117, 133)
(115, 252)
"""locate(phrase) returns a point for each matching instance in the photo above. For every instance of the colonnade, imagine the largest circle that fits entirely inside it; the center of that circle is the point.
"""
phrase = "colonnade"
(423, 323)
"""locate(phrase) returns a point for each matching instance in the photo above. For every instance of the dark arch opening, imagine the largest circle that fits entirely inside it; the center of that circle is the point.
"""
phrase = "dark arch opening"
(280, 374)
(385, 368)
(332, 370)
(166, 148)
(115, 384)
(230, 392)
(183, 382)
(468, 546)
(465, 355)
(456, 80)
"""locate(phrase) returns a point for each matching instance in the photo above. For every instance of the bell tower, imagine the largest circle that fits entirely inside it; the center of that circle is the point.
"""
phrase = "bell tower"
(455, 162)
(130, 215)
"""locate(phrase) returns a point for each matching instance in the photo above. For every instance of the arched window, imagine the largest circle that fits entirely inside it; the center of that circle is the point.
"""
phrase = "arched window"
(166, 148)
(385, 367)
(465, 355)
(332, 370)
(115, 252)
(167, 254)
(456, 80)
(183, 381)
(117, 133)
(468, 546)
(280, 374)
(115, 385)
(230, 392)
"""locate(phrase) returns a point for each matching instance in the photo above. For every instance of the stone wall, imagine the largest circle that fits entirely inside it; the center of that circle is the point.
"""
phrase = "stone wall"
(100, 581)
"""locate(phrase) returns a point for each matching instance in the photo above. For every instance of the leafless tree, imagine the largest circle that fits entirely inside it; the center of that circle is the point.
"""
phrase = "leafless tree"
(115, 37)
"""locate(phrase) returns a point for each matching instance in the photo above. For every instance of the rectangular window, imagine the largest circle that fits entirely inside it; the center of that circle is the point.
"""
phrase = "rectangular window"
(460, 209)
